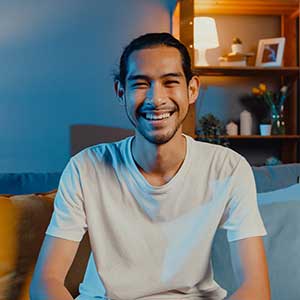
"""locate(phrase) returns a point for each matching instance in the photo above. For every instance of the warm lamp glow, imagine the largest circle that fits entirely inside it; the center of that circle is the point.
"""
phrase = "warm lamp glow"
(205, 37)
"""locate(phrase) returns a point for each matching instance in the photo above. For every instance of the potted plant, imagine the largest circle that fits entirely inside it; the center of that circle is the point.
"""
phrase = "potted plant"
(275, 102)
(237, 46)
(267, 106)
(211, 129)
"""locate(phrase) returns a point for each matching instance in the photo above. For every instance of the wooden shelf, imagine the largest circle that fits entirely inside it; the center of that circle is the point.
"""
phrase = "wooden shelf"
(287, 10)
(246, 7)
(256, 137)
(291, 72)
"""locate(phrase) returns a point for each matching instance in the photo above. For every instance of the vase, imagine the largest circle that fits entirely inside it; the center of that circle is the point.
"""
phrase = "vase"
(245, 123)
(277, 118)
(237, 48)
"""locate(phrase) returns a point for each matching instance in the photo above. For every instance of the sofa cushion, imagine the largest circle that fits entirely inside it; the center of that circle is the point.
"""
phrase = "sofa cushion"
(27, 183)
(23, 222)
(280, 211)
(8, 216)
(24, 219)
(270, 178)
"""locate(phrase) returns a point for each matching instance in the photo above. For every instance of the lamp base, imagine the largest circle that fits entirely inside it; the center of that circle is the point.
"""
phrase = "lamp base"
(199, 57)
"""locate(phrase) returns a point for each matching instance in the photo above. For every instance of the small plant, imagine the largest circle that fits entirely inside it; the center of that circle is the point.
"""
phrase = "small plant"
(236, 40)
(211, 129)
(273, 161)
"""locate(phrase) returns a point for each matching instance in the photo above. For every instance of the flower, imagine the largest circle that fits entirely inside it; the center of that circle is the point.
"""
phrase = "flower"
(284, 89)
(256, 91)
(272, 99)
(262, 87)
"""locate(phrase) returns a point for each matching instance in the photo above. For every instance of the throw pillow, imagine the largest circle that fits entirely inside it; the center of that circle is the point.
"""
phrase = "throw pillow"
(23, 221)
(280, 211)
(291, 193)
(8, 240)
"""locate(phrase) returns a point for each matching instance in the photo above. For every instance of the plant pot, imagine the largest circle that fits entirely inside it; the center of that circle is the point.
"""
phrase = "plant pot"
(265, 129)
(237, 48)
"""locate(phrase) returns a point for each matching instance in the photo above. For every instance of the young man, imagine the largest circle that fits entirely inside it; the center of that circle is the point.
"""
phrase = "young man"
(153, 202)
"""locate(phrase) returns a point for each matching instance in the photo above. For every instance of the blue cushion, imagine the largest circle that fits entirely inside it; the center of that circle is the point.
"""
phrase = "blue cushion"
(280, 211)
(270, 178)
(28, 183)
(282, 244)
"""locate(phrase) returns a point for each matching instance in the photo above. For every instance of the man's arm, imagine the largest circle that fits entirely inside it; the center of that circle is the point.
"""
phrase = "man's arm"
(55, 259)
(250, 268)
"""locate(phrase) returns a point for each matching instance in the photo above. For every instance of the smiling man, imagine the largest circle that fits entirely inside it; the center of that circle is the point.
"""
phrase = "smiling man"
(152, 203)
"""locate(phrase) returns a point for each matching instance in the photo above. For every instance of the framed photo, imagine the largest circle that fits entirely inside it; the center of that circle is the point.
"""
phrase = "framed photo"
(270, 52)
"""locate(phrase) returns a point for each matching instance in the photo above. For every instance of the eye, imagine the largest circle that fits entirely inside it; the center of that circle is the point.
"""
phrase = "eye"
(140, 84)
(171, 82)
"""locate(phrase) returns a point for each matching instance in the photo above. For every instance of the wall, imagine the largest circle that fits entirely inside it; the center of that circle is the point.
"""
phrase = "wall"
(57, 59)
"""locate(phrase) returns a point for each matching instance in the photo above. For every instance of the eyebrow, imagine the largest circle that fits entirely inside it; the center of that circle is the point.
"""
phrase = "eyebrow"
(145, 77)
(178, 74)
(138, 77)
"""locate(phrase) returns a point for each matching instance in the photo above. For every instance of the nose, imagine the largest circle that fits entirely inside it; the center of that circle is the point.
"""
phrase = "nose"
(156, 94)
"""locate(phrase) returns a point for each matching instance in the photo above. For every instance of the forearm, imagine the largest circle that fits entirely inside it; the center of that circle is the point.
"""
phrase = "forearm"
(49, 289)
(247, 293)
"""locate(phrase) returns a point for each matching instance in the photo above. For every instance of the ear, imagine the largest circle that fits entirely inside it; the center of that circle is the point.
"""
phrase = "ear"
(120, 93)
(193, 89)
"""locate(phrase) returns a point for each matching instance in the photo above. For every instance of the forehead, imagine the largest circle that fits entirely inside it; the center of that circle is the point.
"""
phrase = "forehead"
(154, 61)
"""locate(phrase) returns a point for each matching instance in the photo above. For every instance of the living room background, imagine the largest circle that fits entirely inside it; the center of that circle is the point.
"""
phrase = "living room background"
(57, 61)
(58, 58)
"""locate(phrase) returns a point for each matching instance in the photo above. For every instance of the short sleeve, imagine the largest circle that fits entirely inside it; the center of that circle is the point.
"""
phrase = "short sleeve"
(68, 219)
(241, 217)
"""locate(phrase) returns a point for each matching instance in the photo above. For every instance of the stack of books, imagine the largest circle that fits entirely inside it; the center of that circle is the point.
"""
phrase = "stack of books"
(235, 59)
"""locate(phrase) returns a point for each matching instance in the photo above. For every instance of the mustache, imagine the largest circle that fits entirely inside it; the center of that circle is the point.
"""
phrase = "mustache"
(142, 108)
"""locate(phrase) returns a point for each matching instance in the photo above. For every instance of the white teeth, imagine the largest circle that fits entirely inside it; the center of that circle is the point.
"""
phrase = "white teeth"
(151, 116)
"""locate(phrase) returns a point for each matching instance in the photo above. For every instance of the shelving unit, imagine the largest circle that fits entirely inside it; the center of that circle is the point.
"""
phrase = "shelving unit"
(257, 137)
(288, 11)
(291, 73)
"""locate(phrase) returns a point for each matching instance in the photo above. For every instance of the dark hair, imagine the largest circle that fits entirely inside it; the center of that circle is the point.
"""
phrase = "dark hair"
(151, 40)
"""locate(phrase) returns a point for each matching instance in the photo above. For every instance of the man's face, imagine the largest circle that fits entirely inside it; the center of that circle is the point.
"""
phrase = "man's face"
(156, 93)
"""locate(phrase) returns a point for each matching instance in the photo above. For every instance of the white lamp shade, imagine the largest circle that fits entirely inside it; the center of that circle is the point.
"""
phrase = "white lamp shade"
(205, 33)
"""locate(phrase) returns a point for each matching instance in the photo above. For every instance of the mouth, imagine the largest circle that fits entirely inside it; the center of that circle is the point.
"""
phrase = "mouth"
(156, 116)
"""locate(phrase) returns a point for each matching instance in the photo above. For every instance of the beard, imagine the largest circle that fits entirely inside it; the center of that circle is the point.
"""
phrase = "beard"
(156, 139)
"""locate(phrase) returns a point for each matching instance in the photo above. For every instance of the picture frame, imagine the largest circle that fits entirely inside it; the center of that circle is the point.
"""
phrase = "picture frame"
(270, 52)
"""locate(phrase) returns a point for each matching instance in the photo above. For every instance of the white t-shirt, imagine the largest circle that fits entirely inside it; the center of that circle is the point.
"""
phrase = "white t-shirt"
(154, 242)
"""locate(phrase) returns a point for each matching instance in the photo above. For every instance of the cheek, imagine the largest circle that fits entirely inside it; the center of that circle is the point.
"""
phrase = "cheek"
(181, 96)
(134, 100)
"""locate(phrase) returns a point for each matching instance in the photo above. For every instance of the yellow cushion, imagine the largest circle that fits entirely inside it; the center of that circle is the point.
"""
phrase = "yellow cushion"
(8, 241)
(23, 221)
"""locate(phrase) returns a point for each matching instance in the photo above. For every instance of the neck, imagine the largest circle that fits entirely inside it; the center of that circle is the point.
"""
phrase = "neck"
(159, 163)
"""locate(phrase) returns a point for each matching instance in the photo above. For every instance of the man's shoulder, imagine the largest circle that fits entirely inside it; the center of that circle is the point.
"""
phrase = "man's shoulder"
(101, 152)
(215, 157)
(214, 150)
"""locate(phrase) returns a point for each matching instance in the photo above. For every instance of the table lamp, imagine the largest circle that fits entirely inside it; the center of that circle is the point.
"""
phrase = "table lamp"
(205, 37)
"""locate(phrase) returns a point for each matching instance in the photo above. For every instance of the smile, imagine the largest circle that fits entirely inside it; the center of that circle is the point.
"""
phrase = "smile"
(155, 116)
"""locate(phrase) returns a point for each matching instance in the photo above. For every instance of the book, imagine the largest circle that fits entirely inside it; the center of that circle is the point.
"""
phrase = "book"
(235, 59)
(239, 63)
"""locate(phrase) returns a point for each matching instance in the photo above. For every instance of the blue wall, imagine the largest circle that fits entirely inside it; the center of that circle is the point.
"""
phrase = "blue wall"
(57, 59)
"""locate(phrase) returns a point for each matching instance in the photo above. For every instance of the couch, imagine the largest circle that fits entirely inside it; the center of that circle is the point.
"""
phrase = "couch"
(26, 204)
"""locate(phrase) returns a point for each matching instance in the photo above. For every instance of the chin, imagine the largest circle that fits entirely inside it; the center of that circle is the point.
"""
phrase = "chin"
(159, 139)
